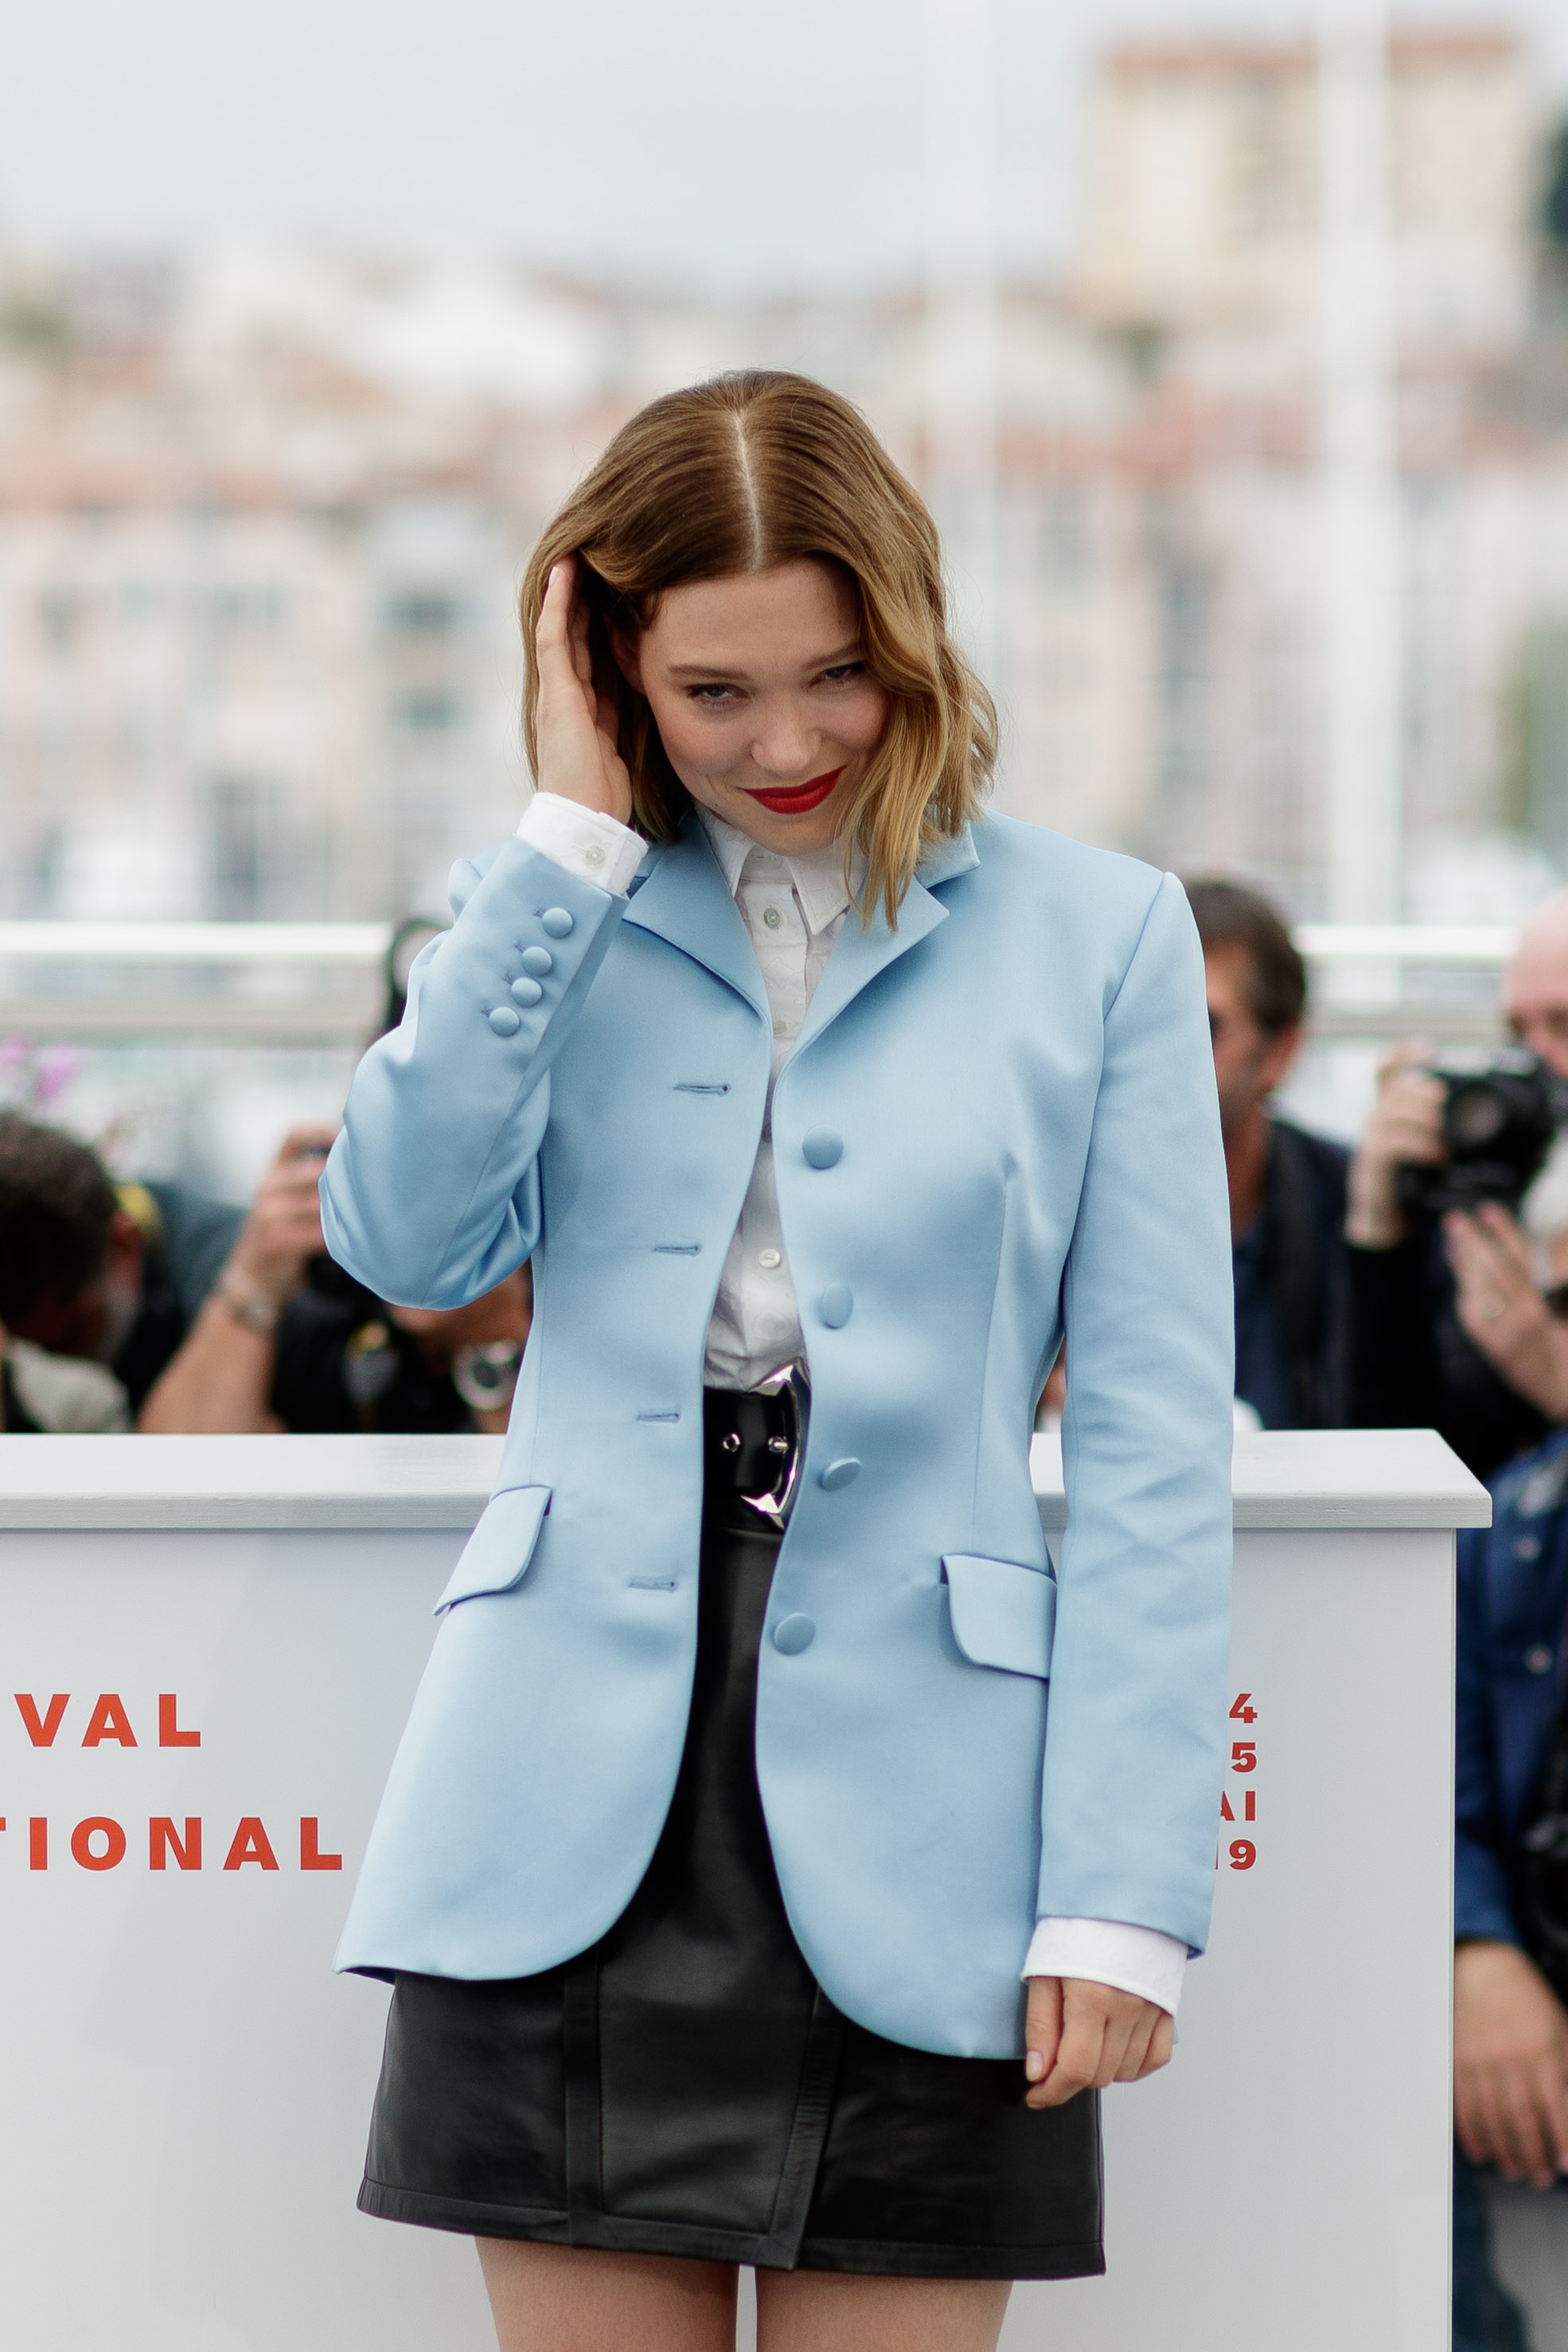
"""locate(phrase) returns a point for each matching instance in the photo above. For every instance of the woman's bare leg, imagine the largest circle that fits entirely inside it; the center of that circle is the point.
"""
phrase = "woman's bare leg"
(577, 2299)
(835, 2311)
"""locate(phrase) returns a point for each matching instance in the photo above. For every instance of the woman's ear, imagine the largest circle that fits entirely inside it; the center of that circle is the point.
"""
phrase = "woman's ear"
(628, 660)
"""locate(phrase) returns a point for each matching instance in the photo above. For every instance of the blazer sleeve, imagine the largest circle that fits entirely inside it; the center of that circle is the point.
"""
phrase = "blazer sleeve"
(1136, 1723)
(431, 1193)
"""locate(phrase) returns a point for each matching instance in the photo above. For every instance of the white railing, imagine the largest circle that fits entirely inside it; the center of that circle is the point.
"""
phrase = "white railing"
(320, 983)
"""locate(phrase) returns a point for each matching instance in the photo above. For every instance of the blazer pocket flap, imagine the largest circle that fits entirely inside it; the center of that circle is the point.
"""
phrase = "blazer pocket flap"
(1003, 1614)
(497, 1554)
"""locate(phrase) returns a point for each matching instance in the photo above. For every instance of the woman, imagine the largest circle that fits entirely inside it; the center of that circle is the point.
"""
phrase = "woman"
(715, 1850)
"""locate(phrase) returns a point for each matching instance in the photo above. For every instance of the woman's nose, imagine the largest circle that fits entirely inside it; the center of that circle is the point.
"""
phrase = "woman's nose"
(785, 745)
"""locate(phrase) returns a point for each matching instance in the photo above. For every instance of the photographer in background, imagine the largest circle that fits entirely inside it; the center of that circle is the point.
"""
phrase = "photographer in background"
(95, 1273)
(1510, 1877)
(1449, 1330)
(1287, 1187)
(287, 1342)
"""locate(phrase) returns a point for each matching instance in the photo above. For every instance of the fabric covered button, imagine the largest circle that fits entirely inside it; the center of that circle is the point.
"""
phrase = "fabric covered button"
(836, 1305)
(1541, 1660)
(538, 959)
(526, 990)
(793, 1635)
(556, 921)
(842, 1473)
(505, 1022)
(822, 1148)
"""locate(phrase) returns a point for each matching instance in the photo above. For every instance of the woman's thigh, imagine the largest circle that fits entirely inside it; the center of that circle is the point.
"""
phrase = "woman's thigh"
(576, 2299)
(833, 2311)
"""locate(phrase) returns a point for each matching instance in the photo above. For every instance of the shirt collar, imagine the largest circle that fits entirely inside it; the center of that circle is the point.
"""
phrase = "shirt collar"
(818, 874)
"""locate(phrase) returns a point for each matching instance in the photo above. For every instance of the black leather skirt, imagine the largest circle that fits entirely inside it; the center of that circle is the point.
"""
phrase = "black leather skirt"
(686, 2086)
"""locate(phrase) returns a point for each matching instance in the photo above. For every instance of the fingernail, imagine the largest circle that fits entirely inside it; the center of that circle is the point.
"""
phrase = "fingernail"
(1034, 2066)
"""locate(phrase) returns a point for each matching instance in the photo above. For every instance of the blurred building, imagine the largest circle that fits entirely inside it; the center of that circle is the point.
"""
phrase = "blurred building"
(263, 514)
(1204, 186)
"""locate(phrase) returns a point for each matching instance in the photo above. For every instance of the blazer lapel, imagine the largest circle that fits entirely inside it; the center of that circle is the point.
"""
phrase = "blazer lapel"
(863, 950)
(685, 899)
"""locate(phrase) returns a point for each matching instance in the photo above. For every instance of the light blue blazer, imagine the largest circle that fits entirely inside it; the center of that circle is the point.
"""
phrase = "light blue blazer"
(999, 1122)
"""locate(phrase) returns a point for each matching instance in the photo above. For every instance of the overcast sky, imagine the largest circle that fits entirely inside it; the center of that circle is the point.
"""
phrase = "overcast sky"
(731, 141)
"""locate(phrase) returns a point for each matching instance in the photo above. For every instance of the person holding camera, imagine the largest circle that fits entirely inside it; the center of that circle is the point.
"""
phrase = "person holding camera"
(286, 1340)
(1510, 1925)
(1450, 1329)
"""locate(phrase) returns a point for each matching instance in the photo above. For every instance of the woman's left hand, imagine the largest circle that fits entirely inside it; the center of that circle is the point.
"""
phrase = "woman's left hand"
(1079, 2036)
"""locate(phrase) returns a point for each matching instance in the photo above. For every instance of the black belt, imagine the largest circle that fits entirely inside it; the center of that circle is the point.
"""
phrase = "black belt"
(752, 1443)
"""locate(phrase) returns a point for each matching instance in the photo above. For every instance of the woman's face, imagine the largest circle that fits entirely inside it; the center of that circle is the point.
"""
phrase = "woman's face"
(762, 699)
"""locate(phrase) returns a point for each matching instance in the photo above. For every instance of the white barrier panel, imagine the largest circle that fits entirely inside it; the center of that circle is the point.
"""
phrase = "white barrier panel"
(209, 1648)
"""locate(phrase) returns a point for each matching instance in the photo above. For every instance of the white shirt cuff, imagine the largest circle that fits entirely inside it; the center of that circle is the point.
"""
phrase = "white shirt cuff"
(585, 841)
(1109, 1952)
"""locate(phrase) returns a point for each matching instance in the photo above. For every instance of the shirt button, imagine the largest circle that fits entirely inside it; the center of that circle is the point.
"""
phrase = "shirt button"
(770, 1258)
(1528, 1548)
(836, 1305)
(593, 855)
(526, 990)
(556, 921)
(1541, 1660)
(538, 959)
(822, 1148)
(771, 917)
(842, 1473)
(505, 1022)
(793, 1635)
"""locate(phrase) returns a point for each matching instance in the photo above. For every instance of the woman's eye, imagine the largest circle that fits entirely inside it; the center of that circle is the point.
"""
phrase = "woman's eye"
(713, 695)
(843, 672)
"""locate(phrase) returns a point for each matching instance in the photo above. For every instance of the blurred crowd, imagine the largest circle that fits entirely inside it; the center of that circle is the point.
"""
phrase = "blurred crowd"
(1419, 1279)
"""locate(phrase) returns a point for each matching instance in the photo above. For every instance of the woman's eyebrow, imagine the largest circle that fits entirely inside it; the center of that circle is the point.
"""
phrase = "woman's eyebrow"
(720, 670)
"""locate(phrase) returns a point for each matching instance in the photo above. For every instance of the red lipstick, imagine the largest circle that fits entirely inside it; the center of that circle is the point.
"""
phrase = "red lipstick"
(793, 800)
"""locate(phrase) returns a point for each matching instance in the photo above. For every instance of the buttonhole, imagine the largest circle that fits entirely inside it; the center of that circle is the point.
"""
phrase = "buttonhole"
(696, 1087)
(659, 1416)
(678, 1249)
(653, 1583)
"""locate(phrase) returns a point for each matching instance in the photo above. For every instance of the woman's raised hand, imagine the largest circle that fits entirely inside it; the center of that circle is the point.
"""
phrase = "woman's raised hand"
(575, 728)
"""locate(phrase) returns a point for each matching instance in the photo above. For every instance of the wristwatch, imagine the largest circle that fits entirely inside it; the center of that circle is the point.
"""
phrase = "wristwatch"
(256, 1311)
(485, 1377)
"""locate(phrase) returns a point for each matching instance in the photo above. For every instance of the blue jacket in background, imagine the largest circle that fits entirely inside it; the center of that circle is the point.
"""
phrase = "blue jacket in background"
(1512, 1604)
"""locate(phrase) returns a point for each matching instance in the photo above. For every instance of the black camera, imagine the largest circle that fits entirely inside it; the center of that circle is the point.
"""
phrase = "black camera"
(1499, 1124)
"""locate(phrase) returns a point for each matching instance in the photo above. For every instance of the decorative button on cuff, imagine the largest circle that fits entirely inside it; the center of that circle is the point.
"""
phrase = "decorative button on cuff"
(836, 1305)
(505, 1022)
(793, 1635)
(556, 921)
(537, 960)
(526, 990)
(842, 1473)
(822, 1148)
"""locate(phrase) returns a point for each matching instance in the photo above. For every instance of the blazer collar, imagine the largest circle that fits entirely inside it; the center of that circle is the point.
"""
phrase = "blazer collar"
(864, 950)
(681, 896)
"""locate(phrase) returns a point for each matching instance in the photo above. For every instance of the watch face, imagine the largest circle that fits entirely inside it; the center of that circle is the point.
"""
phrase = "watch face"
(485, 1377)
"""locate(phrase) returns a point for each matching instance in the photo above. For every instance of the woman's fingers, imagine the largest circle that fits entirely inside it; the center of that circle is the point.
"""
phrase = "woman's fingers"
(1100, 2034)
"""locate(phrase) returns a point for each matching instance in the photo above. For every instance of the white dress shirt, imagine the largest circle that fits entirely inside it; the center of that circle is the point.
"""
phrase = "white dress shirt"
(794, 909)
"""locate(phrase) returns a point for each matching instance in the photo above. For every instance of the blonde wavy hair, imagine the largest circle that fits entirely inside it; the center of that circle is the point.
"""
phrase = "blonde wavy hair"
(741, 474)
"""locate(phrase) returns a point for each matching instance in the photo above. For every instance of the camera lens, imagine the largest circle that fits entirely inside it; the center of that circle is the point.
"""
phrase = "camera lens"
(1476, 1115)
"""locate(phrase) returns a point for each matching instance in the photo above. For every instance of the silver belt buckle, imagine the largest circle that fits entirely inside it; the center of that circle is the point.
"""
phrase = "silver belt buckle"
(791, 1383)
